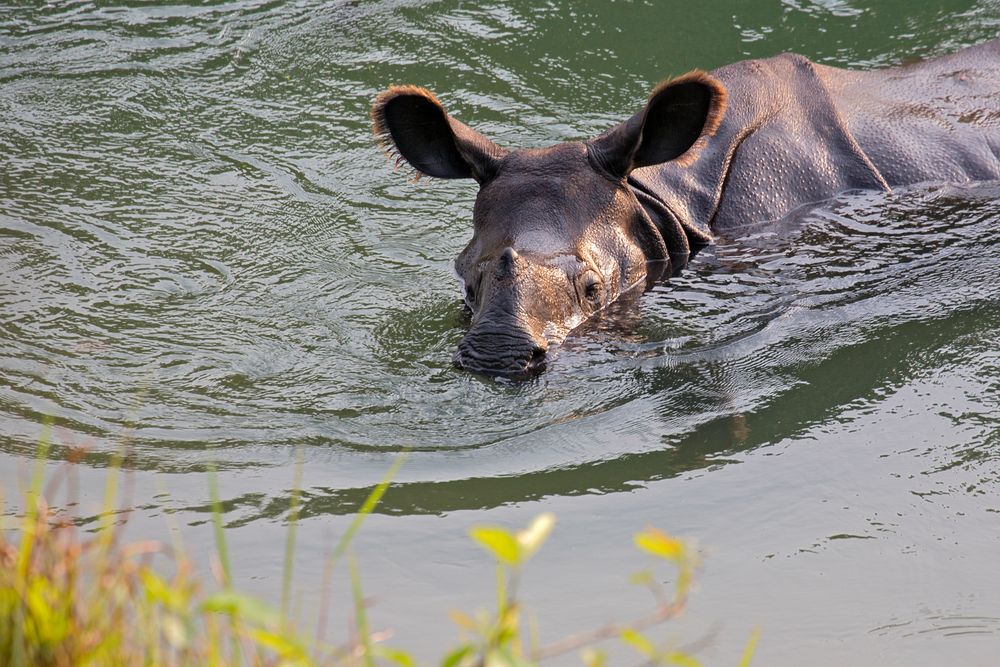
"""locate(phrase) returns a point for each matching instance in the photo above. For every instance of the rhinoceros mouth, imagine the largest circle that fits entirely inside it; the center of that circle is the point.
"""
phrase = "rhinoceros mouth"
(513, 355)
(520, 370)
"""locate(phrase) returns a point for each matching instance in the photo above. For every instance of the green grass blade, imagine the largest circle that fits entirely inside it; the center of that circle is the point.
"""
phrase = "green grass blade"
(293, 519)
(220, 544)
(220, 533)
(501, 588)
(176, 538)
(29, 523)
(366, 508)
(31, 510)
(364, 636)
(750, 648)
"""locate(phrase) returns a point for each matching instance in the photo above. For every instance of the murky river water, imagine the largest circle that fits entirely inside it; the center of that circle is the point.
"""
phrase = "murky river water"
(202, 250)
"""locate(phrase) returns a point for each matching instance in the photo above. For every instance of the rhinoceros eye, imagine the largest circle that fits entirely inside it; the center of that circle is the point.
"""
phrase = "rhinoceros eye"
(472, 291)
(592, 288)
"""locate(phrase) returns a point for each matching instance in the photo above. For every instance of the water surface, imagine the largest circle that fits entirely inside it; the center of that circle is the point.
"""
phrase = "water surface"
(203, 252)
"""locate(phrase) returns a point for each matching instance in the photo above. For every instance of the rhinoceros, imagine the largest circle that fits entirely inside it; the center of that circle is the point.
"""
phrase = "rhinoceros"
(561, 232)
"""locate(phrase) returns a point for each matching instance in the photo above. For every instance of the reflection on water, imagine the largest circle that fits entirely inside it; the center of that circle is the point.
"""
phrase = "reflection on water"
(203, 253)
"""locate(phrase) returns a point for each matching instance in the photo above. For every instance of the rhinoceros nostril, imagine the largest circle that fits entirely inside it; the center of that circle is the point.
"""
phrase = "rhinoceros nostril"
(537, 354)
(506, 263)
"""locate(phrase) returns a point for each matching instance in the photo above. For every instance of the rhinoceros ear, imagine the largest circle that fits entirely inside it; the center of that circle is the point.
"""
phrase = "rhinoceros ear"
(680, 116)
(411, 122)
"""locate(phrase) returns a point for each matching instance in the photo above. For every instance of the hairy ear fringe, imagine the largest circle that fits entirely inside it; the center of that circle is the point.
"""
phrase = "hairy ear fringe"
(716, 111)
(380, 128)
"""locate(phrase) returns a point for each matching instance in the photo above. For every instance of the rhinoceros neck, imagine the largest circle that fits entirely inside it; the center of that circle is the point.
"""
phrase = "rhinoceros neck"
(798, 133)
(782, 144)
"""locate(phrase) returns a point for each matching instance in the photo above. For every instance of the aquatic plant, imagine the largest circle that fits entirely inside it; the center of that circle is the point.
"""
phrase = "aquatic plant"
(72, 597)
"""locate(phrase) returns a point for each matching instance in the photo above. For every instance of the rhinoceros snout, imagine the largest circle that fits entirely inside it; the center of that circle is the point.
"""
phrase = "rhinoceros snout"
(514, 355)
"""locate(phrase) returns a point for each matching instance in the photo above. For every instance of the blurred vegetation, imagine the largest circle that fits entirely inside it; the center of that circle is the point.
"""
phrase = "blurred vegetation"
(74, 597)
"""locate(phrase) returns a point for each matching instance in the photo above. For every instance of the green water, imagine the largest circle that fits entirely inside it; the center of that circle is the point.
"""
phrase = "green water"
(203, 252)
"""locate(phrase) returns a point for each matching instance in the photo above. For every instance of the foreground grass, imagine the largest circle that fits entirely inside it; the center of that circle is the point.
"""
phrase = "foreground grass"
(70, 597)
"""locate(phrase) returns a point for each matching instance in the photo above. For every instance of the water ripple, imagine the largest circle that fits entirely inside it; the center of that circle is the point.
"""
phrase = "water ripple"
(194, 213)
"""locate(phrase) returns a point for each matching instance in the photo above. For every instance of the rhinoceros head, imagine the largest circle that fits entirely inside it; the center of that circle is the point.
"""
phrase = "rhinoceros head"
(558, 232)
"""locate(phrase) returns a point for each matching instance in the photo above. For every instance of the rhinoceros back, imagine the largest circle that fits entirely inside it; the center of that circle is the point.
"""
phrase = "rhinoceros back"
(937, 120)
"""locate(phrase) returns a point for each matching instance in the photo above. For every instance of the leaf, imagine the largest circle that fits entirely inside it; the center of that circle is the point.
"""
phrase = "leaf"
(158, 590)
(242, 606)
(401, 658)
(593, 657)
(641, 578)
(499, 542)
(682, 659)
(174, 632)
(750, 648)
(286, 648)
(531, 538)
(503, 656)
(639, 642)
(37, 599)
(463, 620)
(661, 545)
(457, 656)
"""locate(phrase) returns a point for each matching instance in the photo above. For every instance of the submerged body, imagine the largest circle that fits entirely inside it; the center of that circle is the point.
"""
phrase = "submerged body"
(561, 232)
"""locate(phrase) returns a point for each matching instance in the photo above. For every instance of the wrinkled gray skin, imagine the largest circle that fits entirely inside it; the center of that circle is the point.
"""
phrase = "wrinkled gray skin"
(561, 232)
